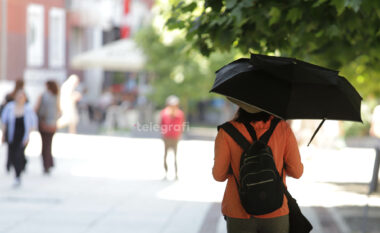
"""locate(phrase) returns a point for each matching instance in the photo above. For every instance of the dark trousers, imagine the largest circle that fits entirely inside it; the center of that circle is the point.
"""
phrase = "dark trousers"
(258, 225)
(47, 157)
(16, 155)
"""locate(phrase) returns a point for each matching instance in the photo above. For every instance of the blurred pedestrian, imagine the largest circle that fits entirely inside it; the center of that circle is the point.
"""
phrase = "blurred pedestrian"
(18, 120)
(19, 85)
(375, 123)
(69, 97)
(47, 110)
(106, 100)
(227, 161)
(172, 126)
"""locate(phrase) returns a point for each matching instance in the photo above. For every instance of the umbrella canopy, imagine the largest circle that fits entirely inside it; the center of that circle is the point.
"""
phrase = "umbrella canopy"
(122, 55)
(289, 88)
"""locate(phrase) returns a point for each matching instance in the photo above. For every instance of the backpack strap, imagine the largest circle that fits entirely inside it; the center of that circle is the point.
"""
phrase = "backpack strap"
(250, 130)
(268, 133)
(238, 138)
(235, 135)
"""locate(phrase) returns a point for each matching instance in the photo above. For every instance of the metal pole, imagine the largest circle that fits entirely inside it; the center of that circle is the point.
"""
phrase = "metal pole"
(372, 188)
(375, 173)
(3, 55)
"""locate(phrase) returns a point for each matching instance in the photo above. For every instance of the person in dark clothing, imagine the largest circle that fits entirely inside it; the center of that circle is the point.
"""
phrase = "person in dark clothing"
(16, 148)
(18, 120)
(47, 110)
(19, 85)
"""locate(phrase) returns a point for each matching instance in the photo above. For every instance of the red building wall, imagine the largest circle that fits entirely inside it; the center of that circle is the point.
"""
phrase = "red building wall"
(17, 34)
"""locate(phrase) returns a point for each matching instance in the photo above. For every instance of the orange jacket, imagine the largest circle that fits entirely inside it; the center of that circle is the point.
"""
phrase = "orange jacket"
(228, 152)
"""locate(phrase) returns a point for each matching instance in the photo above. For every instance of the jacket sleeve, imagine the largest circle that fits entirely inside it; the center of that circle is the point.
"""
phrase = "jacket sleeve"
(293, 164)
(5, 114)
(222, 157)
(33, 119)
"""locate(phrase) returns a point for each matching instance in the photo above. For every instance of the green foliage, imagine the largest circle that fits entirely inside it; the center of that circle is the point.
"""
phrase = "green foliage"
(352, 129)
(178, 70)
(118, 78)
(339, 34)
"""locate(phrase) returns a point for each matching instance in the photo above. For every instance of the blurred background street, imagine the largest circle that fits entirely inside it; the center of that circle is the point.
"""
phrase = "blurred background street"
(105, 183)
(109, 68)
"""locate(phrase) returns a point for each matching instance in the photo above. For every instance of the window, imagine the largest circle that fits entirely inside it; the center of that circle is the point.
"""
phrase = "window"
(57, 37)
(35, 35)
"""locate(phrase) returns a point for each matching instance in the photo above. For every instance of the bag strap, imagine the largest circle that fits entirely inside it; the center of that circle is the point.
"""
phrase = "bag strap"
(235, 135)
(238, 138)
(250, 130)
(265, 137)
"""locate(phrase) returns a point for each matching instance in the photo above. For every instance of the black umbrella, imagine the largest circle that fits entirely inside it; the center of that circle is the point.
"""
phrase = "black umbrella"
(289, 88)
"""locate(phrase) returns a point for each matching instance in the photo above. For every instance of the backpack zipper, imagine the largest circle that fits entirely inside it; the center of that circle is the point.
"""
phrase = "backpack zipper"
(255, 156)
(245, 163)
(261, 182)
(255, 173)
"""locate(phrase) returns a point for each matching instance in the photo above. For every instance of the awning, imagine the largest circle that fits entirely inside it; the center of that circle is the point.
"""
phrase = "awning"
(122, 55)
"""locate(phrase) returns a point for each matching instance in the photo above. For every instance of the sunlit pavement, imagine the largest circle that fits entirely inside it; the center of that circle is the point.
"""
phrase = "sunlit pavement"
(114, 184)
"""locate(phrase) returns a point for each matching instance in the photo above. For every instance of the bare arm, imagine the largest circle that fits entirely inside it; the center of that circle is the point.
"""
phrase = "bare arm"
(4, 123)
(3, 130)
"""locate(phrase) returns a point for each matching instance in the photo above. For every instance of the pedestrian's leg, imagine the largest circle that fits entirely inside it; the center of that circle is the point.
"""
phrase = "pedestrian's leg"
(50, 161)
(23, 159)
(237, 225)
(43, 151)
(11, 153)
(19, 160)
(165, 156)
(46, 150)
(175, 143)
(9, 162)
(72, 128)
(269, 225)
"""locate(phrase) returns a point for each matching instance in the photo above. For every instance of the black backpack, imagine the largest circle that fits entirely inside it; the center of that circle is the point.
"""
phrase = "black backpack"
(260, 185)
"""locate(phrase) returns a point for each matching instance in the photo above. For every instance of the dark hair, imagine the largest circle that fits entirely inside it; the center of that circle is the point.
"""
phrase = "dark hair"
(242, 115)
(19, 84)
(52, 87)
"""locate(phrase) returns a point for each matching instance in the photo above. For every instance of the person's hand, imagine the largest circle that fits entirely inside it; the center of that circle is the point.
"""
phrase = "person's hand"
(371, 132)
(25, 143)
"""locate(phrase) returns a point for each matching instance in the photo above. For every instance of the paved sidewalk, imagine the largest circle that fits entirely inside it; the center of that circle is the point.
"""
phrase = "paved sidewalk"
(113, 184)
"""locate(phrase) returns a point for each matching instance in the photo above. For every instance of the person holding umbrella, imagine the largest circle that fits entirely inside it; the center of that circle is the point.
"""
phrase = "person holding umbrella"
(227, 157)
(269, 90)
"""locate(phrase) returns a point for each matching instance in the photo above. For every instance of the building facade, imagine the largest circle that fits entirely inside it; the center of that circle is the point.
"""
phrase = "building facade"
(33, 42)
(38, 38)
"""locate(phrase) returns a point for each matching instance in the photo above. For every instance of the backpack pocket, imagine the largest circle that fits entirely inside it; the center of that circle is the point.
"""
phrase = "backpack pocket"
(262, 193)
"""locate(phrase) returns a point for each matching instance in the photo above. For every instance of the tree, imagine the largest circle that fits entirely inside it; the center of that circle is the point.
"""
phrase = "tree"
(339, 34)
(178, 70)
